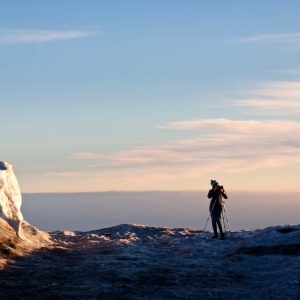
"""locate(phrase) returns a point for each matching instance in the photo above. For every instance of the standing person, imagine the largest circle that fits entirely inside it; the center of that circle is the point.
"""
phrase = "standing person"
(215, 207)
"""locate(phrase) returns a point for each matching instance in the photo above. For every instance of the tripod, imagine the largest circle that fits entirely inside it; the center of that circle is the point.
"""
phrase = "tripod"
(224, 217)
(209, 216)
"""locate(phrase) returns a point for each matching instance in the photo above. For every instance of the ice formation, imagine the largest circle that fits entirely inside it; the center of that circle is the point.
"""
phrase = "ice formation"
(10, 197)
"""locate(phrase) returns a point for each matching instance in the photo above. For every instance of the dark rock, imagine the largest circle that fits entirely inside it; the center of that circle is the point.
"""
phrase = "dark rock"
(2, 166)
(286, 229)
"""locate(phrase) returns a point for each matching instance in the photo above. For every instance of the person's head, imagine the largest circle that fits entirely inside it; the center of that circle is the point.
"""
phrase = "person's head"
(214, 183)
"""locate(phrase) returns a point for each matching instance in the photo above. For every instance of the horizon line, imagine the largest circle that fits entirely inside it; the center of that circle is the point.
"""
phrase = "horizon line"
(162, 191)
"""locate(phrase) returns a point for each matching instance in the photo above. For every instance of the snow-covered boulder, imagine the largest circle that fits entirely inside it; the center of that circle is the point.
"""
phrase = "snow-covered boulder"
(10, 197)
(17, 236)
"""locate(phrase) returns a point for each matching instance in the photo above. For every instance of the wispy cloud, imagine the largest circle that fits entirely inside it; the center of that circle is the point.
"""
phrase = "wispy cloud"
(64, 174)
(273, 97)
(20, 36)
(278, 105)
(221, 145)
(263, 38)
(86, 156)
(295, 72)
(249, 127)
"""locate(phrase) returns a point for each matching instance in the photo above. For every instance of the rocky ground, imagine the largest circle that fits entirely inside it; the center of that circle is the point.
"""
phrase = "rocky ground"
(140, 262)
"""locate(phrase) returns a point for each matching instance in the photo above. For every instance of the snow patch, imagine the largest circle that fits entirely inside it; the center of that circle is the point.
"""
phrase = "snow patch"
(69, 233)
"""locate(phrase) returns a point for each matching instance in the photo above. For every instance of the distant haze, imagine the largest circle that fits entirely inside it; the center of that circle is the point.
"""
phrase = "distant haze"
(87, 211)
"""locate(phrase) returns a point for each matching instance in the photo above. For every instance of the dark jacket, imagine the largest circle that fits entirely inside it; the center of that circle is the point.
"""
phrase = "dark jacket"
(216, 195)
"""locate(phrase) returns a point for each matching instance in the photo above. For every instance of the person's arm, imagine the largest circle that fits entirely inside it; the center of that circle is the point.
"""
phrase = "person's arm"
(224, 194)
(210, 193)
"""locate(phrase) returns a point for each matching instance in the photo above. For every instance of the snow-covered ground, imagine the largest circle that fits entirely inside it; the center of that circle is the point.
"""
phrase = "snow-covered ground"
(140, 262)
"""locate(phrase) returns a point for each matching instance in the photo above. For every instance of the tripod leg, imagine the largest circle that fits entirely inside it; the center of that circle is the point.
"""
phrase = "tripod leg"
(225, 228)
(227, 220)
(206, 223)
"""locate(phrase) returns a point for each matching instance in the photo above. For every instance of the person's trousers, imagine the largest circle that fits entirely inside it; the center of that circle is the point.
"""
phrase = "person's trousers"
(216, 220)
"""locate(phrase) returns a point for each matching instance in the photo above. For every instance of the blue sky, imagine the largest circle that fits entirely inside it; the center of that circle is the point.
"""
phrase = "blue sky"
(136, 95)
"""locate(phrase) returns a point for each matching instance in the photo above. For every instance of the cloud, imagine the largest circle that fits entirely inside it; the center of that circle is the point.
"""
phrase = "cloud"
(221, 145)
(249, 127)
(86, 156)
(287, 72)
(20, 36)
(273, 97)
(264, 38)
(64, 174)
(271, 105)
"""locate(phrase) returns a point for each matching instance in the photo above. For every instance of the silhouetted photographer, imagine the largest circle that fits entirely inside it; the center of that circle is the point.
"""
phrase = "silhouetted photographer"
(216, 206)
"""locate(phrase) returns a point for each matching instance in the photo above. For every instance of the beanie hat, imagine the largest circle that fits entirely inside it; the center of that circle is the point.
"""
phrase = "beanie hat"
(213, 182)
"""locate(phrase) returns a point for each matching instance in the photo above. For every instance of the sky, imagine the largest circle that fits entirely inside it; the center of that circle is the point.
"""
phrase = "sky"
(150, 95)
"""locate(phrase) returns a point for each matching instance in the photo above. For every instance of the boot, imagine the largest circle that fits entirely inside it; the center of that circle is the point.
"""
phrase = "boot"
(215, 236)
(223, 236)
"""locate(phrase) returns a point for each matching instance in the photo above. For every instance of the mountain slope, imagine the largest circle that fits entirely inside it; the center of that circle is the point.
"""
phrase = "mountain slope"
(12, 246)
(140, 262)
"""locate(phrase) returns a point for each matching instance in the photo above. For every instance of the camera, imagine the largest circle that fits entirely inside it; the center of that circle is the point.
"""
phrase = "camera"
(220, 187)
